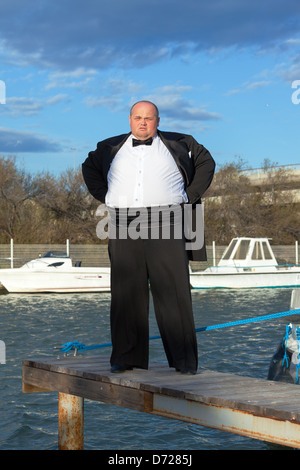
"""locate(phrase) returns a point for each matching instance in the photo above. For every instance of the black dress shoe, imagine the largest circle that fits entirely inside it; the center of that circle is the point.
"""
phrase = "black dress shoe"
(187, 371)
(118, 368)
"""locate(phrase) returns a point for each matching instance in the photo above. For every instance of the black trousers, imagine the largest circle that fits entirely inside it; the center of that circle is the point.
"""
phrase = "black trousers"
(162, 263)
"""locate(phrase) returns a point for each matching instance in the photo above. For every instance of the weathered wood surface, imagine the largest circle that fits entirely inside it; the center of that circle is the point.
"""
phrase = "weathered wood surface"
(90, 377)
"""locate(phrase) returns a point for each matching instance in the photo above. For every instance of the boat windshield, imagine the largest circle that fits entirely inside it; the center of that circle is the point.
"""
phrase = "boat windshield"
(256, 253)
(230, 249)
(242, 250)
(267, 252)
(55, 254)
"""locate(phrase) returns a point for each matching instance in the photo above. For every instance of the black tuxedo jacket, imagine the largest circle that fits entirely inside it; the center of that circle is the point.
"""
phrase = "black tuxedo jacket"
(193, 160)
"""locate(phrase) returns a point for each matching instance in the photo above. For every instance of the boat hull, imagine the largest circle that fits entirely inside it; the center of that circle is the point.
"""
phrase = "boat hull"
(260, 280)
(59, 281)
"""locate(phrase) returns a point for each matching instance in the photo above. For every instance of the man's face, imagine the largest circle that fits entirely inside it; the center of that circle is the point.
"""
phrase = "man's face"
(143, 121)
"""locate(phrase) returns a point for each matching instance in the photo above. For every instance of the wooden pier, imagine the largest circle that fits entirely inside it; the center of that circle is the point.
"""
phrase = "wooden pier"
(256, 408)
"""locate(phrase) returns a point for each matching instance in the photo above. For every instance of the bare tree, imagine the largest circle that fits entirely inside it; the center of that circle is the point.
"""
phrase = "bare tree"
(18, 190)
(70, 208)
(237, 206)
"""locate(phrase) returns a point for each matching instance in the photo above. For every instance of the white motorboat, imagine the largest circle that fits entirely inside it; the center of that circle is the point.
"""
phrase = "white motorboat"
(247, 263)
(54, 272)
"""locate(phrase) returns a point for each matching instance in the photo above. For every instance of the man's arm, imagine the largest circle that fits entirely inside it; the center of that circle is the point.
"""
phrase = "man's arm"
(204, 171)
(93, 175)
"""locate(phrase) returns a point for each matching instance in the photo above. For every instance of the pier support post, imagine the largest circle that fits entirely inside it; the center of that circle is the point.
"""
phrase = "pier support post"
(70, 422)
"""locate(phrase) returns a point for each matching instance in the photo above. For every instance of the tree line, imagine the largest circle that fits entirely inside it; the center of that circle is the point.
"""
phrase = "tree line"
(236, 206)
(47, 208)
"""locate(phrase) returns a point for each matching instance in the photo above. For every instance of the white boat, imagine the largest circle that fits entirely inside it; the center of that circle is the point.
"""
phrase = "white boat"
(54, 272)
(247, 263)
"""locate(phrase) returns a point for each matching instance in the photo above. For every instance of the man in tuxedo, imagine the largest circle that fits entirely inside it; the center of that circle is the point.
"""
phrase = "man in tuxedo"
(138, 173)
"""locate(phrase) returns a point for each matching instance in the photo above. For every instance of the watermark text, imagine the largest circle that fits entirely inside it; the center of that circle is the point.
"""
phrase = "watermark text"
(296, 93)
(2, 352)
(159, 222)
(2, 92)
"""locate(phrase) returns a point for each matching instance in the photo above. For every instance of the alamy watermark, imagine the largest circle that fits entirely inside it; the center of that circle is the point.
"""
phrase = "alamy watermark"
(296, 94)
(158, 222)
(2, 92)
(2, 352)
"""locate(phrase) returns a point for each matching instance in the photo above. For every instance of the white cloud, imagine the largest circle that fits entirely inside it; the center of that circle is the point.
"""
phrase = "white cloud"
(292, 71)
(14, 141)
(77, 78)
(106, 101)
(23, 106)
(249, 86)
(173, 104)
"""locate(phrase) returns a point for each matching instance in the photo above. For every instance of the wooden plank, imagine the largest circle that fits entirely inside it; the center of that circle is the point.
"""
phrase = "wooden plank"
(230, 420)
(86, 388)
(278, 400)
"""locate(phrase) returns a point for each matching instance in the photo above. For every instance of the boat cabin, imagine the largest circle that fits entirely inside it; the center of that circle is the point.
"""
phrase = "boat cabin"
(52, 259)
(248, 252)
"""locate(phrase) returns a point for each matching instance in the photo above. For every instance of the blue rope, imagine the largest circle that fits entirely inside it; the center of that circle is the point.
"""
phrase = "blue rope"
(298, 364)
(286, 337)
(80, 346)
(250, 320)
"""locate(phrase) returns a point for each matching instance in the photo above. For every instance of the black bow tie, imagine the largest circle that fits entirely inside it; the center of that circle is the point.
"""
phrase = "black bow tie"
(136, 142)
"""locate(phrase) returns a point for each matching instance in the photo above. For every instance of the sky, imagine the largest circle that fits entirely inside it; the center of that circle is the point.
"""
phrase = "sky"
(225, 71)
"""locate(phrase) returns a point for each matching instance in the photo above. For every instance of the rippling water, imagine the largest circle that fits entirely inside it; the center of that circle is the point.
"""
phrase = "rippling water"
(32, 325)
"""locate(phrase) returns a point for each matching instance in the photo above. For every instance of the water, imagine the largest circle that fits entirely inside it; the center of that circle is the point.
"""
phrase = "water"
(31, 325)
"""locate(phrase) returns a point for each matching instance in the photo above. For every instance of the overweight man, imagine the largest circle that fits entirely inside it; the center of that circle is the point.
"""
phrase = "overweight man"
(147, 176)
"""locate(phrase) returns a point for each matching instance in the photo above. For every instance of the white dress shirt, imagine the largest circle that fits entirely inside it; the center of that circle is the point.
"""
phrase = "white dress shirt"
(144, 176)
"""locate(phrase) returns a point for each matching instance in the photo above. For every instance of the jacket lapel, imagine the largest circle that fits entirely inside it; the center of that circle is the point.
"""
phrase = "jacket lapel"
(111, 149)
(180, 152)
